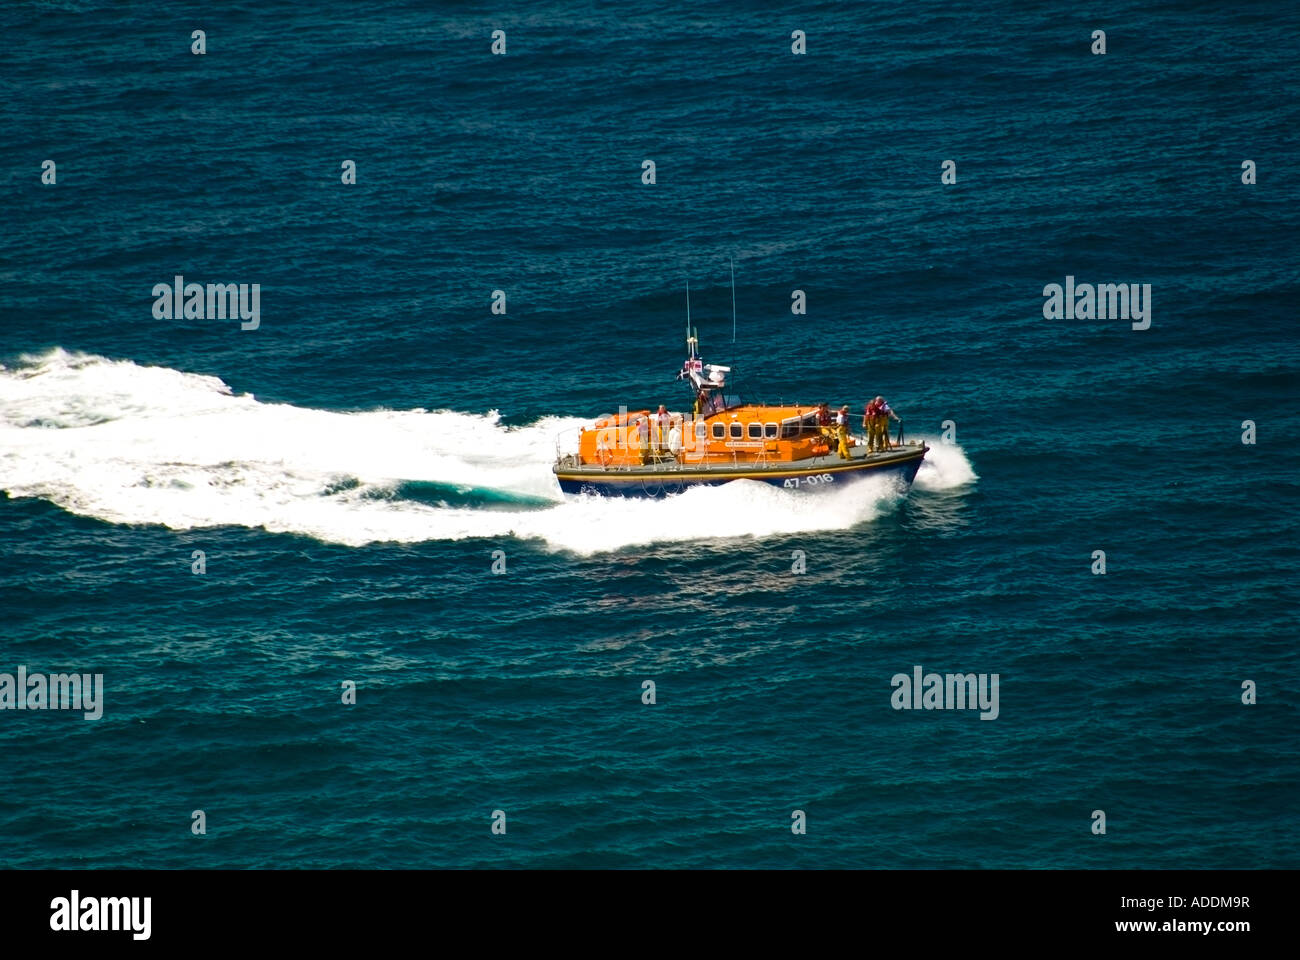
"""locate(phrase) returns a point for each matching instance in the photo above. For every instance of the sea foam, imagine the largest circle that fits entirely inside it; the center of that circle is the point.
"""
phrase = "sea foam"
(126, 443)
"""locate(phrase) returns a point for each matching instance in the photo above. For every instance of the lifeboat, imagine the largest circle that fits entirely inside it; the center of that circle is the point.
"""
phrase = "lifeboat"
(645, 453)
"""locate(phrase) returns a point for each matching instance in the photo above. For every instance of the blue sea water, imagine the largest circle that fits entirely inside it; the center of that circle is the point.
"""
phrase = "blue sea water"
(350, 467)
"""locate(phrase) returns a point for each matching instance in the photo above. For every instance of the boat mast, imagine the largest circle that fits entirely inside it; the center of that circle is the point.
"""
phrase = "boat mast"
(732, 261)
(733, 310)
(690, 341)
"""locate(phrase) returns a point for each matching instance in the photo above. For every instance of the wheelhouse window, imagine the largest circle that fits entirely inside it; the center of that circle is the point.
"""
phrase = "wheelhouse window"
(737, 431)
(804, 425)
(719, 431)
(770, 430)
(755, 431)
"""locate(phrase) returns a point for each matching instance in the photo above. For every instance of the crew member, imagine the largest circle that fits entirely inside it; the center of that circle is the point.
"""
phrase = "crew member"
(825, 422)
(842, 429)
(869, 415)
(663, 420)
(643, 438)
(884, 413)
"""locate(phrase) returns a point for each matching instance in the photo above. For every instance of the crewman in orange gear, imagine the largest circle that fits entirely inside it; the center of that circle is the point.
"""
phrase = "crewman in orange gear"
(869, 416)
(883, 414)
(825, 422)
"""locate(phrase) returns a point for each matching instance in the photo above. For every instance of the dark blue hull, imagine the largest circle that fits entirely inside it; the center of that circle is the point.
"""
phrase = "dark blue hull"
(825, 474)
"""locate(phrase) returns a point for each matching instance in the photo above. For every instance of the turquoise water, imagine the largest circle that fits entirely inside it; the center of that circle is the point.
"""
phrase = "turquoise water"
(350, 468)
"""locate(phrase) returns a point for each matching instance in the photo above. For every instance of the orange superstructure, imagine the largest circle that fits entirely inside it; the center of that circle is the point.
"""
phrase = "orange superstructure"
(749, 433)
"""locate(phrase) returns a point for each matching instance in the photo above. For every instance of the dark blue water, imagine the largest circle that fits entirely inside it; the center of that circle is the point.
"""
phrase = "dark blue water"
(350, 467)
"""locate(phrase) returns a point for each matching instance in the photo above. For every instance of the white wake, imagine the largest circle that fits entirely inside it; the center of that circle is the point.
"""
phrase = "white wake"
(132, 444)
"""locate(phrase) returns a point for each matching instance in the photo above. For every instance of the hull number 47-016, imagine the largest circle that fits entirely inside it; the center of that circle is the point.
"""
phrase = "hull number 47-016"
(810, 480)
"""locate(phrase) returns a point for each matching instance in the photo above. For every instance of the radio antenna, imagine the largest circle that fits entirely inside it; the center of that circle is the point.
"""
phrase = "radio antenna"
(688, 308)
(733, 306)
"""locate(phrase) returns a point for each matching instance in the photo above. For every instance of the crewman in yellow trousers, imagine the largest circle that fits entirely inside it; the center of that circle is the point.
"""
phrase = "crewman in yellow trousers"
(842, 429)
(643, 439)
(870, 420)
(876, 419)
